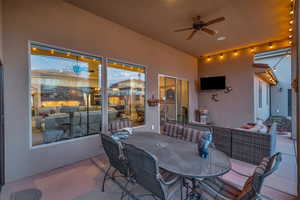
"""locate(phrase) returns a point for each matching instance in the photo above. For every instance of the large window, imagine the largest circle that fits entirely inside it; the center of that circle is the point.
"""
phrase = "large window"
(65, 94)
(126, 92)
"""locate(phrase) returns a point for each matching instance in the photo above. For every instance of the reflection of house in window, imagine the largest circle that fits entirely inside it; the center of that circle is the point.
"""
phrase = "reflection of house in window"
(127, 97)
(260, 95)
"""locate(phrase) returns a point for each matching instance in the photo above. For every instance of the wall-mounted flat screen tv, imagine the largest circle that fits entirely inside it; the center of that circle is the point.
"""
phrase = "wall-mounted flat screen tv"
(213, 83)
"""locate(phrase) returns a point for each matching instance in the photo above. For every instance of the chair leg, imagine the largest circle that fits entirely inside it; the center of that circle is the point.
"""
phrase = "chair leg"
(113, 174)
(125, 192)
(105, 176)
(181, 188)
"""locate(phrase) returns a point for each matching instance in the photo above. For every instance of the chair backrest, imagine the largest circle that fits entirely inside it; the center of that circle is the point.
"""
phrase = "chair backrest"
(254, 183)
(145, 170)
(115, 154)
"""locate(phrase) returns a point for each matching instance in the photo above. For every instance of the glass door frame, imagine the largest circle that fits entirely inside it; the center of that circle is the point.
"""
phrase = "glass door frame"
(176, 101)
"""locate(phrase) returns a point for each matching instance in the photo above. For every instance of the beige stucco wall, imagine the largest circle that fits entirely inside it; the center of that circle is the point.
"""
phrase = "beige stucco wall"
(236, 107)
(58, 23)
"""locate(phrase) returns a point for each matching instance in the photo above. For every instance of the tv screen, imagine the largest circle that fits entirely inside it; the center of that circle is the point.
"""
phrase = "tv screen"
(213, 83)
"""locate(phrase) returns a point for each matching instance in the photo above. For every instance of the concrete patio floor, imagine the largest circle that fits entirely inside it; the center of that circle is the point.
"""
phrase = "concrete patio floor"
(82, 180)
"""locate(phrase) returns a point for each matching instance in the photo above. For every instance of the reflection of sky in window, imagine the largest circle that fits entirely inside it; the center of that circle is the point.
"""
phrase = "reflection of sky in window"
(115, 75)
(56, 64)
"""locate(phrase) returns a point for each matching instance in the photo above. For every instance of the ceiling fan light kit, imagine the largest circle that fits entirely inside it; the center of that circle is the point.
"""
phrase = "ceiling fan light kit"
(199, 25)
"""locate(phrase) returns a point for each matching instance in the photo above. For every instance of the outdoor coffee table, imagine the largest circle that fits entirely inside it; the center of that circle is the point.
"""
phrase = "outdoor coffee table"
(181, 157)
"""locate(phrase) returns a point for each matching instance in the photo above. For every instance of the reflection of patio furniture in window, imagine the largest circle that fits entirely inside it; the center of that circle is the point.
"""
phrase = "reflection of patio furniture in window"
(120, 109)
(140, 113)
(52, 136)
(78, 123)
(183, 115)
(70, 110)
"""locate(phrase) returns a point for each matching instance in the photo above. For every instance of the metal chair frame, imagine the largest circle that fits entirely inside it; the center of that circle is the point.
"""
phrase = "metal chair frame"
(162, 184)
(118, 162)
(269, 170)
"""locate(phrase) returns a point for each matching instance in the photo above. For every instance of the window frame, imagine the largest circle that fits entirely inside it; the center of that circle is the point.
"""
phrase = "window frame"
(104, 93)
(107, 59)
(29, 46)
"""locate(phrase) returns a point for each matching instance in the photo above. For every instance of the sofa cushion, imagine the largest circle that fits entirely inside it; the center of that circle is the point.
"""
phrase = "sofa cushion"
(173, 130)
(254, 182)
(192, 135)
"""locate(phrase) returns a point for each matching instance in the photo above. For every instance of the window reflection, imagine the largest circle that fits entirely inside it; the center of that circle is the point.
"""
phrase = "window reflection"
(126, 92)
(65, 95)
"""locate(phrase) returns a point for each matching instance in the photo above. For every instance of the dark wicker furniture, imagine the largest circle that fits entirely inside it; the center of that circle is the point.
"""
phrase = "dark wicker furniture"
(242, 145)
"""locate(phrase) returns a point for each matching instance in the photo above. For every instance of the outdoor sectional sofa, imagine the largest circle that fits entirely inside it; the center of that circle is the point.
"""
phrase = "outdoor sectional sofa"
(242, 145)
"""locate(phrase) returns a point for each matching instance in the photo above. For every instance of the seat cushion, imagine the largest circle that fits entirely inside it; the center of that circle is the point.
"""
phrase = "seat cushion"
(254, 183)
(220, 186)
(173, 130)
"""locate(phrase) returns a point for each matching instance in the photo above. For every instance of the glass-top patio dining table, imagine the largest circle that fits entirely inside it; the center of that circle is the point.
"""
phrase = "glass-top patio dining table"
(181, 157)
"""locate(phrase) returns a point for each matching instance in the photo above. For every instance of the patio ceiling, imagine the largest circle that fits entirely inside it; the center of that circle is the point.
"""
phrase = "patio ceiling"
(246, 22)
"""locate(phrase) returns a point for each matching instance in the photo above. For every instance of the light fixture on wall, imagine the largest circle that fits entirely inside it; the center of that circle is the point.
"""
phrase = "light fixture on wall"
(228, 89)
(214, 97)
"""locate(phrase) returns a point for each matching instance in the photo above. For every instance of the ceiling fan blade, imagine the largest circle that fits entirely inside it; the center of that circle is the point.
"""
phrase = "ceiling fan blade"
(184, 29)
(191, 35)
(209, 31)
(220, 19)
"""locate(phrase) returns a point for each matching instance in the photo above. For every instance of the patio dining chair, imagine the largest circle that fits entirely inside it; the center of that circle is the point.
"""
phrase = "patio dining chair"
(219, 189)
(145, 171)
(117, 159)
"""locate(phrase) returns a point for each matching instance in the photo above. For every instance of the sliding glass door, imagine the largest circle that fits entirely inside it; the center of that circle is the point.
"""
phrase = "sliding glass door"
(174, 96)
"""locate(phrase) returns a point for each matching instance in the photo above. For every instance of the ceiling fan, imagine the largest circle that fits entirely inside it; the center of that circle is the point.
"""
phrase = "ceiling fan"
(199, 25)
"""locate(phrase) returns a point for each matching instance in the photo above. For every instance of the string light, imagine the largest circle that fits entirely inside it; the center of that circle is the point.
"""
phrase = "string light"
(235, 53)
(208, 59)
(52, 51)
(34, 49)
(271, 45)
(68, 54)
(221, 56)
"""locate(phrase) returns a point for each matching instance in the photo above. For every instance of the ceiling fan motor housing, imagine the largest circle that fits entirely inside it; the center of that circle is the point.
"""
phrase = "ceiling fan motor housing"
(198, 26)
